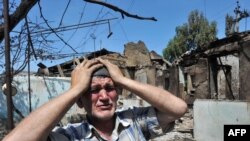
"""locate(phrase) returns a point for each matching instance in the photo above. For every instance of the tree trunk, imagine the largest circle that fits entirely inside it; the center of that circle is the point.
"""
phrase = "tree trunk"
(21, 11)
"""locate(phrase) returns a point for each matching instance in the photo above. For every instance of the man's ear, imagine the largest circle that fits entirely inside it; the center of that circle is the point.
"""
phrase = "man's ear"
(80, 102)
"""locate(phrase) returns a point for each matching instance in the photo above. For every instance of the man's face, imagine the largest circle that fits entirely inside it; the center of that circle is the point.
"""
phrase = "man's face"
(100, 101)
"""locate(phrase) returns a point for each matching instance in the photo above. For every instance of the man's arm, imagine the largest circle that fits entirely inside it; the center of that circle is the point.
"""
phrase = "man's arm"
(38, 125)
(169, 107)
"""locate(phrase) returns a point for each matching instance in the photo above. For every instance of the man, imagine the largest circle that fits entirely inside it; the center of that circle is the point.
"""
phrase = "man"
(95, 90)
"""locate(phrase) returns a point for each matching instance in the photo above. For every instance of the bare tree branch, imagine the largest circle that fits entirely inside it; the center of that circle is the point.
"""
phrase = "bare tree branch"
(18, 15)
(64, 12)
(120, 10)
(53, 31)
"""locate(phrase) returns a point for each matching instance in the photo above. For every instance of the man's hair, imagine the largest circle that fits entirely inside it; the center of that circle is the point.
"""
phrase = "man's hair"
(101, 72)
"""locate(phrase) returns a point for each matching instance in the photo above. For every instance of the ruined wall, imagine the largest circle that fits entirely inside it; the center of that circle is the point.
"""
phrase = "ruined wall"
(161, 76)
(173, 80)
(140, 67)
(196, 81)
(231, 68)
(244, 65)
(137, 54)
(138, 63)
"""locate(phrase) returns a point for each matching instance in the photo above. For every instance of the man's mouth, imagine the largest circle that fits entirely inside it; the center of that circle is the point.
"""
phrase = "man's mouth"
(105, 106)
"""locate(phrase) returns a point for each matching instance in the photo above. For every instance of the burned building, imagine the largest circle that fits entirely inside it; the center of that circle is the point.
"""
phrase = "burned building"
(220, 72)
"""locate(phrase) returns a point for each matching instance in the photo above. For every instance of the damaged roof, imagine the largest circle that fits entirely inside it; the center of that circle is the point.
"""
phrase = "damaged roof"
(222, 47)
(64, 69)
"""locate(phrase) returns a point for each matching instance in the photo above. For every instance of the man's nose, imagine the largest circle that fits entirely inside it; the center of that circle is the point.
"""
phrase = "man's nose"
(103, 94)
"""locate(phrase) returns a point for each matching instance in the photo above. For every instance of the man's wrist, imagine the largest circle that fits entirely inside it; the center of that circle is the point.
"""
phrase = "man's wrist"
(76, 92)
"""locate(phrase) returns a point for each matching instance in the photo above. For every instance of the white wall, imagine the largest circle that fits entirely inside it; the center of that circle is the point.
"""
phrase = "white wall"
(42, 90)
(210, 116)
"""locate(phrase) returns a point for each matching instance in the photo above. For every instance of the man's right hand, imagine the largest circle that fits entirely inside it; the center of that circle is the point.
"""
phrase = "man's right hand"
(81, 75)
(113, 69)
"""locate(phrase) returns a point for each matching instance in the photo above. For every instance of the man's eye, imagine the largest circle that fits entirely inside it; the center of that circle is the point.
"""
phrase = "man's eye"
(94, 90)
(109, 88)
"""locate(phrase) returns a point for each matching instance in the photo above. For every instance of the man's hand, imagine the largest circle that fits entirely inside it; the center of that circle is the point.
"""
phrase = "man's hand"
(81, 75)
(114, 70)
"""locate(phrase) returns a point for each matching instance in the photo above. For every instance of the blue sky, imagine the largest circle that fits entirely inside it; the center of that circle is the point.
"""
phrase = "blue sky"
(169, 13)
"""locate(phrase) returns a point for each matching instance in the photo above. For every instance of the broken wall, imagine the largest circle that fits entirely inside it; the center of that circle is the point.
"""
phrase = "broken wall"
(173, 80)
(196, 81)
(42, 90)
(137, 54)
(138, 62)
(228, 77)
(161, 76)
(140, 67)
(244, 67)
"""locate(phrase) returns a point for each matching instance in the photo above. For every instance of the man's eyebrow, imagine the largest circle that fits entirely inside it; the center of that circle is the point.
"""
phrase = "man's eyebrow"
(95, 86)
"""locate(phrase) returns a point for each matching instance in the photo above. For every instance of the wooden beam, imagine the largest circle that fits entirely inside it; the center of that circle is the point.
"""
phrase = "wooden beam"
(77, 61)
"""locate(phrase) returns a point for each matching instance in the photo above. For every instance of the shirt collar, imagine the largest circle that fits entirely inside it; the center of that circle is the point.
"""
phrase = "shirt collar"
(90, 129)
(123, 122)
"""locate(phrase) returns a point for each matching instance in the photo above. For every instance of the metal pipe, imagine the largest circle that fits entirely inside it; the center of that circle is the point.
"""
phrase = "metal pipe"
(7, 65)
